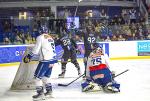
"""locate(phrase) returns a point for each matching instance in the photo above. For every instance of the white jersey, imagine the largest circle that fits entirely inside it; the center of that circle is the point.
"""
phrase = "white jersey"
(45, 47)
(95, 60)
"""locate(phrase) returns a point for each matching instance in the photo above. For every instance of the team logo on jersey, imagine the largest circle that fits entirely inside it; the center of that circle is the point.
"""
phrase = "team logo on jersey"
(98, 76)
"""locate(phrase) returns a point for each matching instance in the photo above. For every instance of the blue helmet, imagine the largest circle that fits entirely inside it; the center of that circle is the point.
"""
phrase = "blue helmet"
(43, 29)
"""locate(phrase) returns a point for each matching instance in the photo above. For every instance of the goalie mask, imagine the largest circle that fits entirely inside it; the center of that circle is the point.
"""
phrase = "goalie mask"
(97, 48)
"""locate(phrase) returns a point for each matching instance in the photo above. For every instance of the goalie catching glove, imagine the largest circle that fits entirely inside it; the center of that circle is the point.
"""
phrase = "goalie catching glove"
(27, 58)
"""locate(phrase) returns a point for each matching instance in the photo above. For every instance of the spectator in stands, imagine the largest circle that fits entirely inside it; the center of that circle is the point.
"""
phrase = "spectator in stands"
(28, 39)
(7, 26)
(148, 37)
(43, 14)
(103, 15)
(66, 13)
(115, 20)
(38, 19)
(22, 36)
(78, 39)
(121, 20)
(140, 34)
(125, 28)
(51, 22)
(35, 26)
(114, 38)
(99, 39)
(132, 14)
(121, 38)
(116, 29)
(107, 39)
(133, 27)
(6, 41)
(97, 28)
(125, 16)
(18, 40)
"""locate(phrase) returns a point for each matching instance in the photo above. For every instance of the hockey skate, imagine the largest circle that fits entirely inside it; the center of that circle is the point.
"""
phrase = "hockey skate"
(62, 75)
(48, 94)
(38, 97)
(79, 73)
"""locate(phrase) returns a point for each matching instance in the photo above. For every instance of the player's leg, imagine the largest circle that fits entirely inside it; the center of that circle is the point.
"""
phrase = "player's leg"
(85, 63)
(39, 73)
(39, 89)
(64, 61)
(86, 55)
(46, 82)
(75, 62)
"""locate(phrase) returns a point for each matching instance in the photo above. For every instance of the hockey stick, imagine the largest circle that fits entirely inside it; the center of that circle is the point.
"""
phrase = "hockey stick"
(64, 85)
(121, 73)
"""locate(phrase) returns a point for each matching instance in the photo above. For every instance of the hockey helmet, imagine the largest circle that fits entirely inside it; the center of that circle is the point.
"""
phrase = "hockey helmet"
(97, 46)
(43, 29)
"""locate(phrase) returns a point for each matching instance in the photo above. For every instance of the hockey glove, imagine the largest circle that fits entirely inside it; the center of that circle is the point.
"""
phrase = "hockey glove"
(78, 51)
(27, 58)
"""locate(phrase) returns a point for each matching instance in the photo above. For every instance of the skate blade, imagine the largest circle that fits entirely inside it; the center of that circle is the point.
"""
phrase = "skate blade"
(49, 96)
(61, 77)
(39, 99)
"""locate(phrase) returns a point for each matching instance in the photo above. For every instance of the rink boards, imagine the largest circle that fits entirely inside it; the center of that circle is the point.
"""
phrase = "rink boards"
(117, 50)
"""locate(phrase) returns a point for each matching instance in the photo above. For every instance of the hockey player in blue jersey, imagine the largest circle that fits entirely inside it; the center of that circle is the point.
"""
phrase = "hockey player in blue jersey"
(45, 48)
(98, 74)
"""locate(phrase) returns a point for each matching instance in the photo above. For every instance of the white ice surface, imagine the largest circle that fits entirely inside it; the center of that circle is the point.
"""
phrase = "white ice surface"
(135, 85)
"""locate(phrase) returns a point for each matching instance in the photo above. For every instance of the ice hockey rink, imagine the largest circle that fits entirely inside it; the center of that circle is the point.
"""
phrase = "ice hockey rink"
(135, 84)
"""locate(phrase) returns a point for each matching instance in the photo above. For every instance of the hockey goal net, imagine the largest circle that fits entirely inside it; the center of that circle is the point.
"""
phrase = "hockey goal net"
(24, 77)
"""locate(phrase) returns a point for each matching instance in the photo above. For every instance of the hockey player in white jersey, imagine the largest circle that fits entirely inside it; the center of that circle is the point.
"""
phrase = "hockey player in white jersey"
(45, 48)
(98, 74)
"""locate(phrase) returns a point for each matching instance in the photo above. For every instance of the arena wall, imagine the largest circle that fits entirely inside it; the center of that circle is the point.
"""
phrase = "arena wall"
(116, 50)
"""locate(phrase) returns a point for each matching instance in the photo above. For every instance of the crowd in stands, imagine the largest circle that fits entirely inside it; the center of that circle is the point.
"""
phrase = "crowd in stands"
(147, 5)
(52, 0)
(129, 25)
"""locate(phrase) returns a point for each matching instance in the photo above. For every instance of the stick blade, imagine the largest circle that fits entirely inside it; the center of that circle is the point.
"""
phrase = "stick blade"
(63, 85)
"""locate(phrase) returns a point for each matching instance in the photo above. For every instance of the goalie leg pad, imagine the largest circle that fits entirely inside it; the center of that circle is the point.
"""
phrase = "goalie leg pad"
(101, 77)
(90, 87)
(112, 87)
(86, 86)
